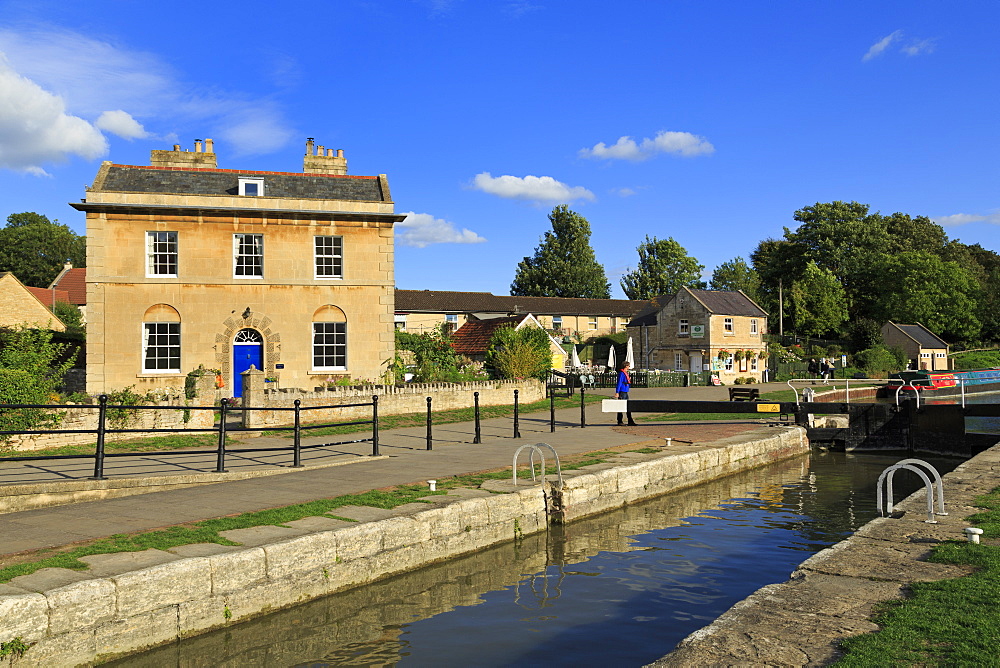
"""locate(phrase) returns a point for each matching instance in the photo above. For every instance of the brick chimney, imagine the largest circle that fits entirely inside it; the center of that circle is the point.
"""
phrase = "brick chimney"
(197, 159)
(321, 160)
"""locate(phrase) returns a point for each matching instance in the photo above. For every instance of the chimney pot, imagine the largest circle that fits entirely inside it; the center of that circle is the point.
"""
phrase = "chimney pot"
(197, 146)
(319, 150)
(209, 146)
(177, 147)
(340, 153)
(309, 145)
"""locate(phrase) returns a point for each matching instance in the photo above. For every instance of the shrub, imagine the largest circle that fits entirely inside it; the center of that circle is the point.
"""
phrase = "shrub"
(878, 361)
(30, 373)
(979, 359)
(520, 353)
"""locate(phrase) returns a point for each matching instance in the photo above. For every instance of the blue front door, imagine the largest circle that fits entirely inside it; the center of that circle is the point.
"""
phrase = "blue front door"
(247, 350)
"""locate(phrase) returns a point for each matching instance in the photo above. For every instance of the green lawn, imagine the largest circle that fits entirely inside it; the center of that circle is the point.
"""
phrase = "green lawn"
(946, 623)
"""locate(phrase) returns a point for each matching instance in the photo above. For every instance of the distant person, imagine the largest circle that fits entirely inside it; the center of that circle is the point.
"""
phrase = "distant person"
(813, 368)
(621, 390)
(826, 370)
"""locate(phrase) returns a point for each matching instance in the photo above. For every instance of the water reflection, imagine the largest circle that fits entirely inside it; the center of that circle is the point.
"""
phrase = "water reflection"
(619, 589)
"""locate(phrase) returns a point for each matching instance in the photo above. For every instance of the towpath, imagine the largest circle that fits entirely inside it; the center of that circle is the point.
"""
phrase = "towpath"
(405, 460)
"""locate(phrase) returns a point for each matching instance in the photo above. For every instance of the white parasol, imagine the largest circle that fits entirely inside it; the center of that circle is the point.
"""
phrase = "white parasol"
(629, 355)
(611, 357)
(575, 359)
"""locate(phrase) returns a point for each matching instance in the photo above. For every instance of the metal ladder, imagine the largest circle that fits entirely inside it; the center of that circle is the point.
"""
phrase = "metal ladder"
(912, 465)
(537, 447)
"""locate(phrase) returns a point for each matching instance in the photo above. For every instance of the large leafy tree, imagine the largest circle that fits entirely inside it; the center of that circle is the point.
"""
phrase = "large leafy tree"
(664, 268)
(35, 248)
(817, 300)
(736, 274)
(564, 264)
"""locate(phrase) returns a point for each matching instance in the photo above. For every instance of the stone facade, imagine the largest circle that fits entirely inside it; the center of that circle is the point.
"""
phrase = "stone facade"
(19, 307)
(923, 348)
(184, 260)
(702, 330)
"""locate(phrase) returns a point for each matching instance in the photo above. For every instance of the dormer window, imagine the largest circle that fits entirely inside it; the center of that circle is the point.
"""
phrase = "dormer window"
(252, 187)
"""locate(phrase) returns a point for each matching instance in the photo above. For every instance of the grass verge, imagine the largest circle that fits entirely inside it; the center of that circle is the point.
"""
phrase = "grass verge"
(952, 622)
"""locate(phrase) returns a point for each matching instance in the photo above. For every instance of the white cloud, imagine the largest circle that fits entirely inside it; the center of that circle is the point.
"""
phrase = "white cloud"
(35, 128)
(423, 229)
(624, 192)
(878, 47)
(121, 123)
(532, 188)
(93, 76)
(963, 218)
(918, 47)
(683, 144)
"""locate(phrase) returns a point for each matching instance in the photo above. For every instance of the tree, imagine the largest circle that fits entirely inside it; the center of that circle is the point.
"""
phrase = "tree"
(520, 353)
(35, 248)
(736, 274)
(30, 373)
(817, 302)
(664, 268)
(564, 264)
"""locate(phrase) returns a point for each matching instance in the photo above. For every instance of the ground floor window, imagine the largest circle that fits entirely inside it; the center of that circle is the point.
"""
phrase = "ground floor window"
(330, 345)
(728, 365)
(161, 347)
(678, 361)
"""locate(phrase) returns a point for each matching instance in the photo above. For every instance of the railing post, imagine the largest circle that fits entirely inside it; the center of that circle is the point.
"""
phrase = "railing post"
(102, 413)
(375, 426)
(430, 442)
(297, 441)
(552, 412)
(220, 463)
(517, 431)
(479, 433)
(583, 408)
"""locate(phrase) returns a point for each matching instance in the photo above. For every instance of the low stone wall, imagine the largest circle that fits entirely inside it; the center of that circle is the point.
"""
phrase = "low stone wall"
(392, 400)
(832, 595)
(79, 618)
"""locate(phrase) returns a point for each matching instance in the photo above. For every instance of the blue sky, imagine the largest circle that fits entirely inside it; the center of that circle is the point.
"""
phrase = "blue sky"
(708, 122)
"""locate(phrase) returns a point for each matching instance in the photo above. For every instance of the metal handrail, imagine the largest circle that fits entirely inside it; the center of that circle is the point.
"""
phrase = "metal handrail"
(533, 448)
(847, 385)
(887, 476)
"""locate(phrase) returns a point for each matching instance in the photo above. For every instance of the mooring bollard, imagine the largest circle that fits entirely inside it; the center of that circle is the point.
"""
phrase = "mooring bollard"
(583, 408)
(479, 433)
(375, 426)
(517, 432)
(430, 443)
(552, 412)
(297, 439)
(102, 413)
(220, 458)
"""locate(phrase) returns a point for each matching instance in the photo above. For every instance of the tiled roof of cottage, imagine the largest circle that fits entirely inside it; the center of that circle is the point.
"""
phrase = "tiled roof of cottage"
(49, 297)
(473, 338)
(486, 302)
(717, 302)
(74, 282)
(923, 336)
(178, 180)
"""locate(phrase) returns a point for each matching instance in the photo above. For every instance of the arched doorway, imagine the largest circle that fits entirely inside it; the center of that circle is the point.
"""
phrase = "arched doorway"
(248, 349)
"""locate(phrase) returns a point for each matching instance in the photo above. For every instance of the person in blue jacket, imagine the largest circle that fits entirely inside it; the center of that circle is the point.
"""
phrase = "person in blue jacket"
(621, 390)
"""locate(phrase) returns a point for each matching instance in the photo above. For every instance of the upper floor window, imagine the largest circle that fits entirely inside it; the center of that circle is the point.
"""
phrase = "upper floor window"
(248, 255)
(451, 318)
(683, 329)
(329, 257)
(939, 355)
(161, 254)
(592, 322)
(251, 187)
(557, 322)
(728, 325)
(753, 326)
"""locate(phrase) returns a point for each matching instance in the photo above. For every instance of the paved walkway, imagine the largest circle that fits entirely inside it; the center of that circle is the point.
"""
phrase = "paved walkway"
(404, 460)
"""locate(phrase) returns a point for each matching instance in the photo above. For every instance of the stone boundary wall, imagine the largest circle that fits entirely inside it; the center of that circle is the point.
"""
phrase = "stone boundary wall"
(91, 620)
(392, 400)
(832, 594)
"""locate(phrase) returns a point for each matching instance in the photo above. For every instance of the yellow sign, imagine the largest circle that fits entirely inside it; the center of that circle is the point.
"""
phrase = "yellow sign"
(768, 408)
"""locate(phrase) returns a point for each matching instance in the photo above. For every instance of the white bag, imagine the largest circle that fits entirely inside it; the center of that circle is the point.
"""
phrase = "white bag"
(614, 406)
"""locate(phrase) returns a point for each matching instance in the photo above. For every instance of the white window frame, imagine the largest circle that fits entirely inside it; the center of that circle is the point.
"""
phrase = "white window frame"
(237, 255)
(325, 355)
(925, 355)
(592, 322)
(253, 182)
(400, 322)
(727, 325)
(940, 355)
(678, 361)
(683, 327)
(328, 265)
(557, 322)
(728, 364)
(158, 257)
(753, 326)
(166, 348)
(753, 364)
(451, 318)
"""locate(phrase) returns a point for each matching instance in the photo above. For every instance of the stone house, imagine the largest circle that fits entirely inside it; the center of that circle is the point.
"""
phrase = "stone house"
(925, 350)
(190, 265)
(423, 310)
(473, 338)
(702, 330)
(30, 307)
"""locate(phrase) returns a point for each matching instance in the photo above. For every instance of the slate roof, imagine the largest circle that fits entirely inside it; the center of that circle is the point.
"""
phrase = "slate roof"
(442, 301)
(716, 302)
(923, 336)
(473, 338)
(49, 297)
(179, 180)
(74, 282)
